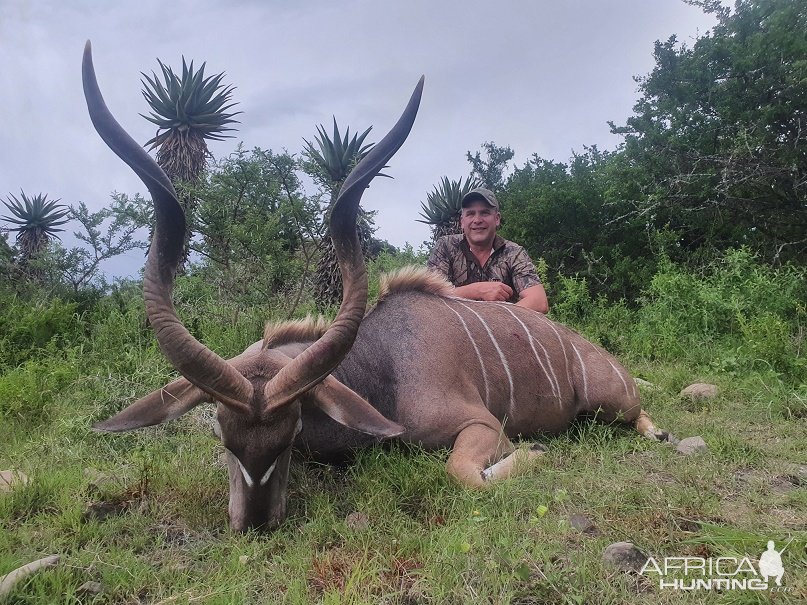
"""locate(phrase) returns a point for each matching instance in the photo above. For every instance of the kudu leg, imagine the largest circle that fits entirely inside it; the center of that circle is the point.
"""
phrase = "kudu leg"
(645, 427)
(481, 455)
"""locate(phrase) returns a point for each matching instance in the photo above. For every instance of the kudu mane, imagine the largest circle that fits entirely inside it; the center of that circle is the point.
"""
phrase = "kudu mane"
(406, 279)
(413, 279)
(297, 330)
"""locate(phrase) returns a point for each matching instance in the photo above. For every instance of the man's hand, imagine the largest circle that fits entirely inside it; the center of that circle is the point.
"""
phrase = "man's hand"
(485, 290)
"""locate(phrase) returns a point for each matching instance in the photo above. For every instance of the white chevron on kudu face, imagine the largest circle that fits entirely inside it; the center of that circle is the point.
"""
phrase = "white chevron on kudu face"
(553, 379)
(476, 350)
(248, 478)
(498, 350)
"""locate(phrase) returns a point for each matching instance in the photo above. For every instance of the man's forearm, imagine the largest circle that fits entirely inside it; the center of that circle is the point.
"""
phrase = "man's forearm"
(534, 298)
(467, 291)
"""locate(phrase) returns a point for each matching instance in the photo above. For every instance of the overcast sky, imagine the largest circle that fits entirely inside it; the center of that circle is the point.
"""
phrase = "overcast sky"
(541, 76)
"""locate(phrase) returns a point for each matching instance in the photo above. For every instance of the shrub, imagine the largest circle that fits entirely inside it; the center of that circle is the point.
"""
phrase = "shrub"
(32, 329)
(28, 392)
(739, 314)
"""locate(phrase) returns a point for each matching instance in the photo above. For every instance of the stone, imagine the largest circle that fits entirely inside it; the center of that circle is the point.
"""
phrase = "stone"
(584, 525)
(96, 480)
(671, 439)
(699, 391)
(98, 511)
(357, 521)
(644, 384)
(11, 479)
(90, 588)
(624, 556)
(795, 473)
(692, 445)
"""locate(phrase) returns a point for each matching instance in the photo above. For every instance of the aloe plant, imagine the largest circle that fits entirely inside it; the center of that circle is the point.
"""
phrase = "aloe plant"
(37, 219)
(333, 158)
(443, 206)
(188, 110)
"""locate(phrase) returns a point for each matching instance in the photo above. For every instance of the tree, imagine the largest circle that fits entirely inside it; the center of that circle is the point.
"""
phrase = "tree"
(444, 205)
(330, 162)
(719, 133)
(576, 218)
(258, 229)
(38, 220)
(7, 268)
(107, 233)
(188, 111)
(490, 170)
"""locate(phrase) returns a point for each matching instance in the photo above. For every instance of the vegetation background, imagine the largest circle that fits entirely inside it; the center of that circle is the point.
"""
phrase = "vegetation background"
(682, 251)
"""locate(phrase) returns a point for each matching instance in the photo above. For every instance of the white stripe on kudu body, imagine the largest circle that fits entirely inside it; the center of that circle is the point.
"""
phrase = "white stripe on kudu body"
(605, 356)
(562, 346)
(553, 379)
(499, 350)
(476, 349)
(618, 373)
(582, 371)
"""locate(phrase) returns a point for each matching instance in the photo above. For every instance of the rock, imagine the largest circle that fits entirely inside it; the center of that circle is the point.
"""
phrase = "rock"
(624, 556)
(795, 473)
(700, 391)
(692, 445)
(11, 479)
(584, 525)
(644, 384)
(98, 511)
(97, 480)
(671, 439)
(243, 559)
(357, 521)
(90, 588)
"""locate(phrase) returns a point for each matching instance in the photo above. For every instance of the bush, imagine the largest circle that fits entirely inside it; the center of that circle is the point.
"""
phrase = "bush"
(28, 391)
(599, 320)
(33, 329)
(738, 311)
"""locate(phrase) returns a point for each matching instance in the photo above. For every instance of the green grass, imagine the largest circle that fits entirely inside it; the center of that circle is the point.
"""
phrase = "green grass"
(145, 513)
(428, 540)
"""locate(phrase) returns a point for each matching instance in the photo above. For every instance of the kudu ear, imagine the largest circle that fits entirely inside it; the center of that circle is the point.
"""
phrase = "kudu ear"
(346, 407)
(167, 403)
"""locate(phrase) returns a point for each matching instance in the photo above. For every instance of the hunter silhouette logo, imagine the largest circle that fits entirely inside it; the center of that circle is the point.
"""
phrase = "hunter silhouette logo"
(720, 573)
(770, 563)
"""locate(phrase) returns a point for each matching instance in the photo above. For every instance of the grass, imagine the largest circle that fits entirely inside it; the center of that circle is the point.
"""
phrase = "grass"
(145, 513)
(163, 536)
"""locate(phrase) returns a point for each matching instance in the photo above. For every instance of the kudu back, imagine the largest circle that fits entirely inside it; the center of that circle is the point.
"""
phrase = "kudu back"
(422, 366)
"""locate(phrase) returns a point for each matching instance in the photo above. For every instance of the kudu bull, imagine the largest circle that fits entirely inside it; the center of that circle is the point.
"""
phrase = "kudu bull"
(422, 366)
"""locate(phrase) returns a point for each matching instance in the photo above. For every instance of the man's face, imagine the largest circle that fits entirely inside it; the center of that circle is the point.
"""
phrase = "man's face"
(479, 221)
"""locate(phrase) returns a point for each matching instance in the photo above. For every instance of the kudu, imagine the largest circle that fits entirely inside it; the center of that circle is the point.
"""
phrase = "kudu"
(422, 366)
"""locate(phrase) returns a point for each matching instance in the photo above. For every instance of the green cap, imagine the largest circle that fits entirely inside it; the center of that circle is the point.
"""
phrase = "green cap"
(480, 193)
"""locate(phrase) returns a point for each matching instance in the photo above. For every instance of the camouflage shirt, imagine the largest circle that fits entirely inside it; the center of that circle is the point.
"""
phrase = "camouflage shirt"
(509, 263)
